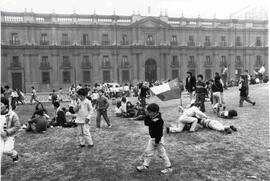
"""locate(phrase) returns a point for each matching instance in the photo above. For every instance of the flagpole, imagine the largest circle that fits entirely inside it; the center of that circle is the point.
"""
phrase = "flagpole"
(180, 86)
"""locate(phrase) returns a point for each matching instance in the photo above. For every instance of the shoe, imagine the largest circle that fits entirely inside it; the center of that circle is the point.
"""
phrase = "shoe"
(141, 168)
(233, 128)
(90, 146)
(228, 130)
(167, 170)
(16, 159)
(167, 130)
(81, 146)
(24, 126)
(253, 103)
(110, 126)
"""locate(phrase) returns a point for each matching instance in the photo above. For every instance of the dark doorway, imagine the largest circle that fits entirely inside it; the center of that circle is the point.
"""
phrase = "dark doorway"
(17, 80)
(150, 70)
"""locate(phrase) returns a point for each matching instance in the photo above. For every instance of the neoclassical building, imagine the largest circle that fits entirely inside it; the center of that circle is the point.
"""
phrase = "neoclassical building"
(50, 51)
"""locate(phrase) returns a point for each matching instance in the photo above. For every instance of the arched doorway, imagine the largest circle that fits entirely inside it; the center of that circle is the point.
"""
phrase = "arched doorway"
(150, 70)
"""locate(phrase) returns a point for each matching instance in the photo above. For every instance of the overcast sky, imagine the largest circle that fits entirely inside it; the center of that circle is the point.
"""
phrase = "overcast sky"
(175, 8)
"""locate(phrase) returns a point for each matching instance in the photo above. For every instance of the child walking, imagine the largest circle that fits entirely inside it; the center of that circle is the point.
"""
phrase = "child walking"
(84, 112)
(102, 105)
(244, 92)
(155, 123)
(10, 125)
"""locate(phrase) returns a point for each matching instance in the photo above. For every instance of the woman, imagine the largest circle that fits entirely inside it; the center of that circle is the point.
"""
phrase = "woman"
(39, 120)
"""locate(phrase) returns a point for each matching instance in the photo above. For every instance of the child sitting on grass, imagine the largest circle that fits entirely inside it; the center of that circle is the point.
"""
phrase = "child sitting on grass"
(10, 125)
(155, 123)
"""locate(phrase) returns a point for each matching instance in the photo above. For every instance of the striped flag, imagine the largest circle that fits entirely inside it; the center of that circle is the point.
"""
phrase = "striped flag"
(168, 91)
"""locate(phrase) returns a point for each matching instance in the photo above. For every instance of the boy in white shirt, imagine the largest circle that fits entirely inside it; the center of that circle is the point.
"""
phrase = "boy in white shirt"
(84, 111)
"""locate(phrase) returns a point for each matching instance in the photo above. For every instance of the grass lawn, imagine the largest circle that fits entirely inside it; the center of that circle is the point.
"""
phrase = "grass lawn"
(203, 155)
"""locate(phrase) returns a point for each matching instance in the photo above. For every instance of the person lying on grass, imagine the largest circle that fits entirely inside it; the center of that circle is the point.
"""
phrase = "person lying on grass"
(189, 115)
(39, 121)
(155, 124)
(226, 114)
(10, 124)
(216, 125)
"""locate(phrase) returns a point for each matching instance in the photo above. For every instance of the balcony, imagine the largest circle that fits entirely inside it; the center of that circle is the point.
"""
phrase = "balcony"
(65, 42)
(124, 65)
(45, 66)
(106, 43)
(124, 43)
(150, 43)
(175, 65)
(258, 44)
(191, 43)
(15, 66)
(86, 43)
(174, 43)
(86, 65)
(207, 44)
(223, 44)
(66, 65)
(106, 65)
(14, 42)
(44, 42)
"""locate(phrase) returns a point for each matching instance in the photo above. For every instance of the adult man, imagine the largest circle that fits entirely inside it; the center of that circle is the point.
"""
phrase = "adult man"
(143, 92)
(190, 85)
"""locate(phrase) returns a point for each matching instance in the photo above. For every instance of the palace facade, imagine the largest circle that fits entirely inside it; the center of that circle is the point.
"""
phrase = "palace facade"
(50, 51)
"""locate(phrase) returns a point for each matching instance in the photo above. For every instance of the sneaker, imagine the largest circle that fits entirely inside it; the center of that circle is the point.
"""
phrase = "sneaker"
(253, 103)
(24, 126)
(110, 126)
(81, 146)
(228, 130)
(141, 168)
(167, 170)
(167, 130)
(233, 128)
(16, 159)
(90, 146)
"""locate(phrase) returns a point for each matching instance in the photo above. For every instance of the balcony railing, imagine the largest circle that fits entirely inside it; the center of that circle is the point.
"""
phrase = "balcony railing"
(44, 42)
(45, 65)
(223, 44)
(191, 43)
(66, 66)
(207, 44)
(65, 42)
(86, 43)
(106, 65)
(151, 43)
(174, 65)
(14, 42)
(86, 65)
(105, 43)
(238, 44)
(124, 43)
(124, 65)
(258, 44)
(174, 43)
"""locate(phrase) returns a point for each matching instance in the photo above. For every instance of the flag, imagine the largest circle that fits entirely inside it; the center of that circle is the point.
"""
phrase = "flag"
(168, 91)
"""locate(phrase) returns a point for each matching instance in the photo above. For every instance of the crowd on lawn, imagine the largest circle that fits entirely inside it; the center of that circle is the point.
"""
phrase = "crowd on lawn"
(86, 101)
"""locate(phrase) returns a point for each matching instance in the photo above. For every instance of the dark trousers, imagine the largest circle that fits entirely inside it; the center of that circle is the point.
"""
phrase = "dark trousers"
(200, 98)
(142, 101)
(103, 113)
(242, 99)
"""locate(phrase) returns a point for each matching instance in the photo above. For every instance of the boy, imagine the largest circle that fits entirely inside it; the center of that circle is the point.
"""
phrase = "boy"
(189, 116)
(54, 96)
(226, 114)
(155, 123)
(11, 125)
(216, 125)
(60, 116)
(200, 92)
(190, 85)
(102, 105)
(84, 111)
(243, 92)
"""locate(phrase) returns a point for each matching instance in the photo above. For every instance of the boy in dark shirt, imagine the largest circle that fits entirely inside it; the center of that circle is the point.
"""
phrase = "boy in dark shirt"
(155, 123)
(102, 105)
(243, 92)
(200, 92)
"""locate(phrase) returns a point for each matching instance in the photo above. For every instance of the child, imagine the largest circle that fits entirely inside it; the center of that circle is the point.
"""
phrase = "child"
(84, 111)
(226, 114)
(102, 105)
(34, 95)
(60, 116)
(155, 123)
(243, 92)
(10, 125)
(200, 92)
(189, 116)
(216, 125)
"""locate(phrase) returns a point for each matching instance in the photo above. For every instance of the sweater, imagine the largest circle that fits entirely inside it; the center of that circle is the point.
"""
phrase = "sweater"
(12, 123)
(84, 111)
(155, 126)
(102, 103)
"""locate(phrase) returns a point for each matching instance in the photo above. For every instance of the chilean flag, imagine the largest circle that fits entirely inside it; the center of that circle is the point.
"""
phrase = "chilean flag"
(168, 91)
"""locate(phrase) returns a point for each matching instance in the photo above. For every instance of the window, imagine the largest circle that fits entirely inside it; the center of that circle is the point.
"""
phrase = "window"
(223, 41)
(66, 62)
(14, 39)
(238, 62)
(65, 39)
(106, 76)
(191, 62)
(66, 77)
(191, 41)
(258, 61)
(44, 39)
(208, 60)
(150, 40)
(85, 39)
(125, 76)
(86, 76)
(208, 74)
(174, 40)
(124, 62)
(238, 41)
(105, 39)
(175, 61)
(44, 63)
(45, 76)
(106, 61)
(258, 41)
(207, 41)
(175, 74)
(86, 62)
(223, 61)
(15, 62)
(124, 39)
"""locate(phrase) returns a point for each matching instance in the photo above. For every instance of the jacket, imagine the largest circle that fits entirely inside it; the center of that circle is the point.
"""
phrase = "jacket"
(12, 123)
(102, 103)
(155, 126)
(191, 84)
